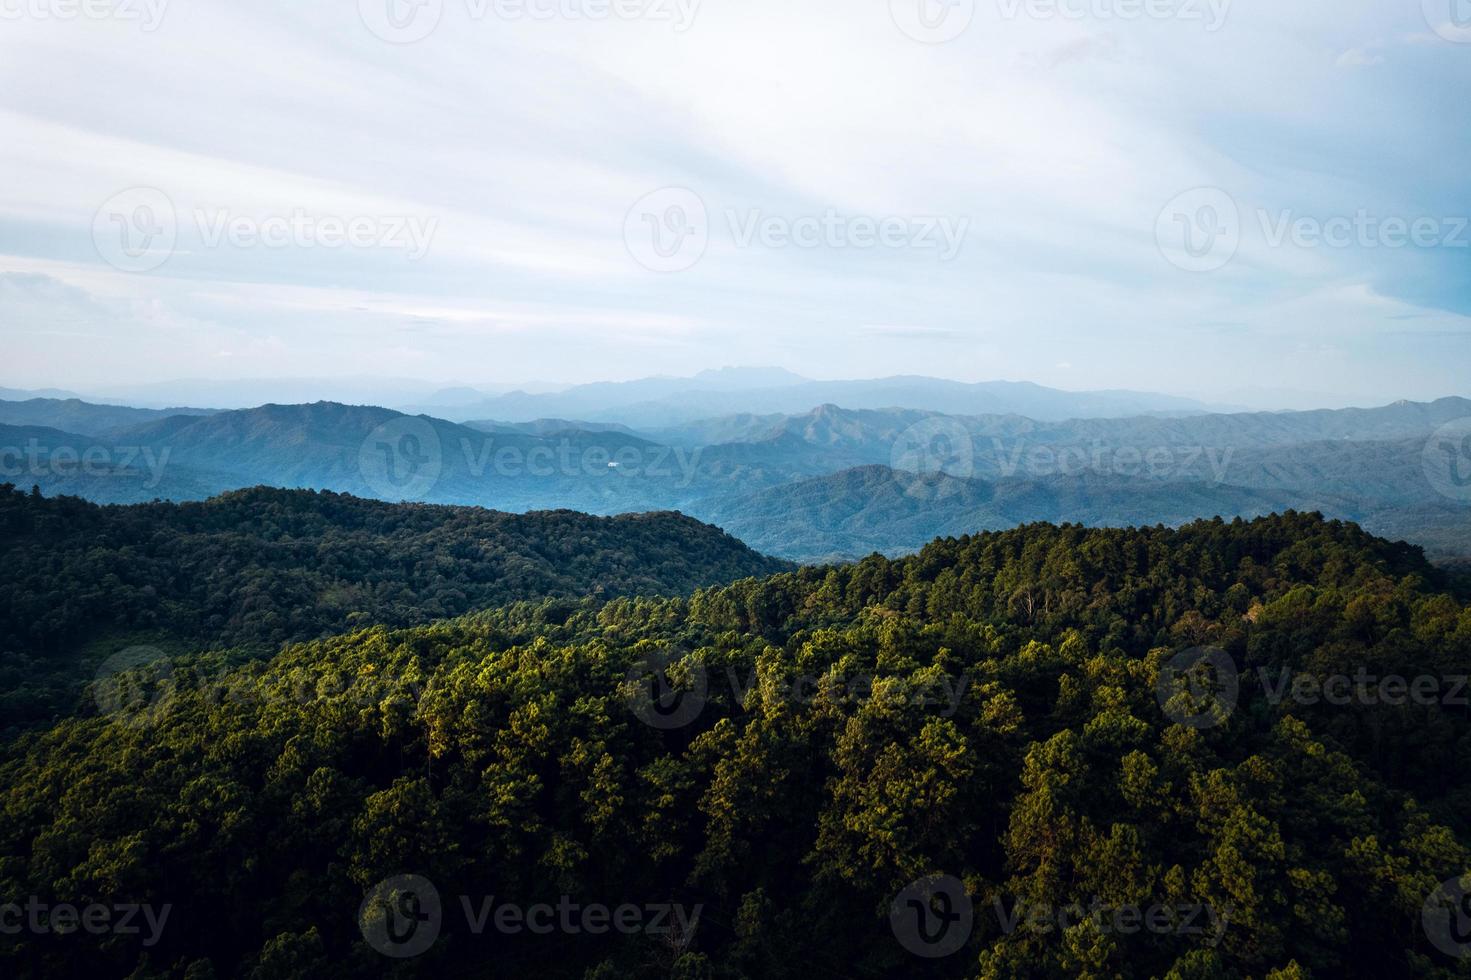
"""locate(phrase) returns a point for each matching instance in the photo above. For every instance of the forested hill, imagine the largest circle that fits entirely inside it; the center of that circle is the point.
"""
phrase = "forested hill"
(1002, 710)
(254, 568)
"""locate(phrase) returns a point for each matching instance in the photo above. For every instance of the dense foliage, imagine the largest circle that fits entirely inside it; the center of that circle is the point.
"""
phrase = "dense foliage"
(501, 754)
(252, 569)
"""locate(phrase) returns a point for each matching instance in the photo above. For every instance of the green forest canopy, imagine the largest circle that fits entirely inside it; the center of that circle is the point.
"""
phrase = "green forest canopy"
(506, 753)
(250, 570)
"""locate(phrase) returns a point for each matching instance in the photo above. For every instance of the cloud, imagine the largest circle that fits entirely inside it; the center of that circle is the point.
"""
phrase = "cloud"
(527, 142)
(906, 331)
(1359, 58)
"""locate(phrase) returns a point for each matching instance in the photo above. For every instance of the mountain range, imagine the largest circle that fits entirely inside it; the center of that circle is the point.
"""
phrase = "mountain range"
(662, 402)
(825, 482)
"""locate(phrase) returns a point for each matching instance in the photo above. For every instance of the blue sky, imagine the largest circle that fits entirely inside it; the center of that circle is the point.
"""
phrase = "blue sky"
(976, 189)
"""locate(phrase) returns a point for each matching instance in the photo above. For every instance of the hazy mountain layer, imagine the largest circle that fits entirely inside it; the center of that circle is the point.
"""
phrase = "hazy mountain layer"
(780, 481)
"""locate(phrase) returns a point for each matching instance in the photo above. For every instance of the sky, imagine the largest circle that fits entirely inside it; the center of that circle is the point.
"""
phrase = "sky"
(1220, 199)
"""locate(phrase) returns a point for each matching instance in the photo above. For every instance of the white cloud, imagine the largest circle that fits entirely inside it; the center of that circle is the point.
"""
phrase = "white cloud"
(526, 142)
(1359, 58)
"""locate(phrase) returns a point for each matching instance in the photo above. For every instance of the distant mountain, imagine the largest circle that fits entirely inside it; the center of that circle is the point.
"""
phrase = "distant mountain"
(250, 392)
(877, 509)
(596, 401)
(742, 378)
(75, 415)
(654, 403)
(377, 452)
(1240, 430)
(1373, 451)
(547, 427)
(24, 394)
(802, 485)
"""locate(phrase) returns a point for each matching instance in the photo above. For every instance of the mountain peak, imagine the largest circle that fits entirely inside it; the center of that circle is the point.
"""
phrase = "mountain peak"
(749, 377)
